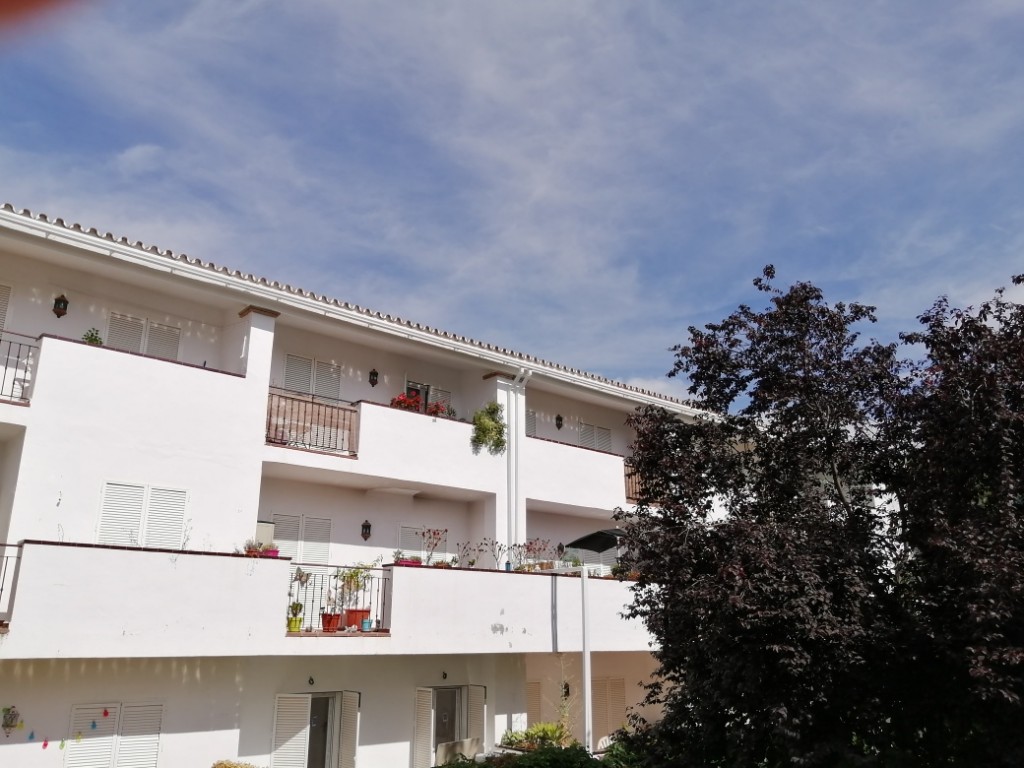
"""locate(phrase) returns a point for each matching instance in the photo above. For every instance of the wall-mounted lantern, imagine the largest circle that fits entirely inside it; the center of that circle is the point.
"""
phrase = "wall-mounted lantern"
(366, 530)
(60, 305)
(374, 376)
(559, 421)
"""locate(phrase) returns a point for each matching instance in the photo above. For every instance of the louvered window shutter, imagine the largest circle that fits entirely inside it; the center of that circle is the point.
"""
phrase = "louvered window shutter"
(476, 711)
(616, 704)
(533, 715)
(298, 374)
(165, 517)
(138, 745)
(90, 741)
(121, 514)
(328, 380)
(423, 733)
(531, 423)
(599, 708)
(5, 300)
(162, 341)
(286, 535)
(291, 731)
(603, 438)
(587, 435)
(410, 540)
(349, 729)
(316, 540)
(125, 332)
(436, 395)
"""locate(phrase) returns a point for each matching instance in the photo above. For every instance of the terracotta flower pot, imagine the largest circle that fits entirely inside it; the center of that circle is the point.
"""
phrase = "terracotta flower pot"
(330, 622)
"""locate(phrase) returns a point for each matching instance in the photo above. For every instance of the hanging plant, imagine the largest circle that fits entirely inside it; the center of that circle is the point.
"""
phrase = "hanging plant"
(488, 429)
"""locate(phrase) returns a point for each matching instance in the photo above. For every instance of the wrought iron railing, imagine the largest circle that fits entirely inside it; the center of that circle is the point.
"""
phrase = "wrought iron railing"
(340, 598)
(632, 486)
(312, 422)
(17, 360)
(9, 554)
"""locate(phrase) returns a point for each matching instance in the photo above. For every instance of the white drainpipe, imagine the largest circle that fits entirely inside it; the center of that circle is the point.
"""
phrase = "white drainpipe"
(515, 428)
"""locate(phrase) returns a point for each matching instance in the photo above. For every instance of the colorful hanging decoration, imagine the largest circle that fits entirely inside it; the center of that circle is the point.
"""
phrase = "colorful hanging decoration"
(62, 743)
(92, 725)
(46, 742)
(78, 737)
(11, 719)
(31, 735)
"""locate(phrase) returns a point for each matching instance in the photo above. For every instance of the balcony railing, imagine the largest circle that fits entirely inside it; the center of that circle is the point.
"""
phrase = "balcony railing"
(311, 422)
(632, 486)
(17, 360)
(352, 594)
(9, 554)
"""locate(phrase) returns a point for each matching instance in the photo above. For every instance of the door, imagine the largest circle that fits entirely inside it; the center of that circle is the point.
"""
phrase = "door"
(446, 715)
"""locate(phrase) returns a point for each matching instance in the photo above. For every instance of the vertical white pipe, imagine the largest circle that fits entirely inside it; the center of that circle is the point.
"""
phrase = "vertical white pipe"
(588, 714)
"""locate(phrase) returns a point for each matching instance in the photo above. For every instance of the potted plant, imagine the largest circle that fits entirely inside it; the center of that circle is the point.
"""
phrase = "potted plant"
(92, 338)
(295, 617)
(400, 558)
(330, 614)
(352, 585)
(489, 429)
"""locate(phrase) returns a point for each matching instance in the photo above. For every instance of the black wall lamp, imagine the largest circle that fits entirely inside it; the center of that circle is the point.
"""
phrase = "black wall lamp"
(374, 376)
(366, 530)
(60, 305)
(559, 421)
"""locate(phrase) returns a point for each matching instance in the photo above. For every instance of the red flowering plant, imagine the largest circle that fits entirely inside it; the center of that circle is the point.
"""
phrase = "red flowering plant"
(407, 402)
(437, 409)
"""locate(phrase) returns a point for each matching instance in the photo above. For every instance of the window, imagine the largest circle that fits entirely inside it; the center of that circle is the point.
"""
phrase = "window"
(306, 540)
(533, 709)
(5, 300)
(531, 423)
(142, 516)
(449, 721)
(411, 542)
(312, 377)
(316, 730)
(608, 705)
(599, 438)
(134, 334)
(429, 394)
(114, 735)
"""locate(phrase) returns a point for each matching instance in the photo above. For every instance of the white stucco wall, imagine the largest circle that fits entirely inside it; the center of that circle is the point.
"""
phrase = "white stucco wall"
(565, 474)
(99, 415)
(220, 708)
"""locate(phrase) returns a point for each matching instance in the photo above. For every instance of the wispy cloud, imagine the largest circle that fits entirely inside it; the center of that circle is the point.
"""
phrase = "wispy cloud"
(577, 180)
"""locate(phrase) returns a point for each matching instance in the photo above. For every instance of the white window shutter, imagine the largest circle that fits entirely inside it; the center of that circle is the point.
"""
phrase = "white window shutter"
(291, 731)
(435, 395)
(165, 518)
(616, 703)
(316, 540)
(599, 708)
(298, 374)
(423, 733)
(587, 435)
(121, 514)
(162, 341)
(531, 423)
(125, 332)
(410, 540)
(533, 715)
(476, 712)
(138, 745)
(90, 741)
(286, 534)
(349, 729)
(603, 438)
(328, 380)
(5, 301)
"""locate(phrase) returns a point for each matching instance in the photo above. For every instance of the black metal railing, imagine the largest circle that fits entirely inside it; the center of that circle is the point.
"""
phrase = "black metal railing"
(9, 554)
(312, 422)
(17, 361)
(339, 598)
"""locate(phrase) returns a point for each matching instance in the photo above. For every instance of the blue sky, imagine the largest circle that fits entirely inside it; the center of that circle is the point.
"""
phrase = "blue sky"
(576, 180)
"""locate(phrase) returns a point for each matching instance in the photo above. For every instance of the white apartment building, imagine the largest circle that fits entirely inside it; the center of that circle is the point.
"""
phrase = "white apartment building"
(222, 407)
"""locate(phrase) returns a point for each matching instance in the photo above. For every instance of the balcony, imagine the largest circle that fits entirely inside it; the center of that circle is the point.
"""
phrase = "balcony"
(338, 599)
(568, 474)
(17, 363)
(311, 422)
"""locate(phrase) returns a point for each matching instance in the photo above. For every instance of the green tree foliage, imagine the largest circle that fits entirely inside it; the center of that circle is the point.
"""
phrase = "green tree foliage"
(832, 562)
